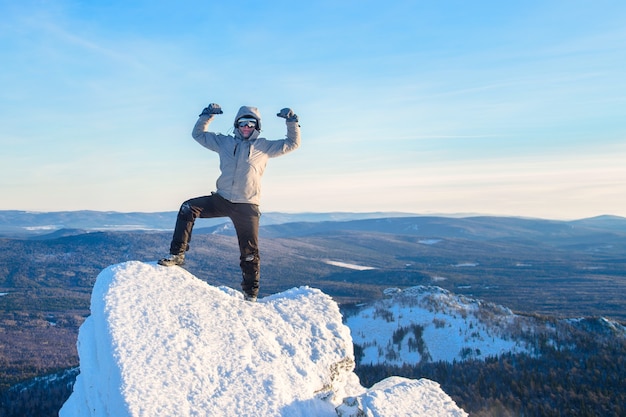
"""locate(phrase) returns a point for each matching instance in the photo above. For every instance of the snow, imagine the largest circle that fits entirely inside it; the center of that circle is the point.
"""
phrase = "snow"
(349, 265)
(451, 327)
(160, 342)
(45, 228)
(429, 241)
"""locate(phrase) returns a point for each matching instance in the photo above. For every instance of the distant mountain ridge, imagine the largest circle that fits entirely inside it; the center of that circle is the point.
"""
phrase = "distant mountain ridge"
(511, 260)
(14, 223)
(560, 233)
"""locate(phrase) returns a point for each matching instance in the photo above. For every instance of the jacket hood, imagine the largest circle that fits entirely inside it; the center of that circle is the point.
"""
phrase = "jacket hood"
(248, 111)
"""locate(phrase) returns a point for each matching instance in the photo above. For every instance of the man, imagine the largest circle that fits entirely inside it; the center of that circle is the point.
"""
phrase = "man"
(243, 157)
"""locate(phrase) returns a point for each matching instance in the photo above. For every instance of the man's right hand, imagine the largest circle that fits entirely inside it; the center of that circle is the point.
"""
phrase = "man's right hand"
(211, 109)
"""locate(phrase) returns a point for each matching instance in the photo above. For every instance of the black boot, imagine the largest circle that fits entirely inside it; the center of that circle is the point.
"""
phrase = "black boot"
(250, 286)
(171, 260)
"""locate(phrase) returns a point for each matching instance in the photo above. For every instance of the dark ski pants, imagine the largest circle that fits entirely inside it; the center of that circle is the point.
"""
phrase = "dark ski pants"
(245, 218)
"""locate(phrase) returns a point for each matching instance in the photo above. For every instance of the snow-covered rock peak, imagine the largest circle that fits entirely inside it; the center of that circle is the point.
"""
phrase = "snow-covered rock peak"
(160, 342)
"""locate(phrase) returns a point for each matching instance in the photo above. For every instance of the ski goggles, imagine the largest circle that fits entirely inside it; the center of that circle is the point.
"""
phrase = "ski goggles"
(246, 122)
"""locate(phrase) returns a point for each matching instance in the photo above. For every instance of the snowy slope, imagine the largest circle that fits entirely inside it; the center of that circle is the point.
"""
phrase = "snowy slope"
(160, 342)
(431, 324)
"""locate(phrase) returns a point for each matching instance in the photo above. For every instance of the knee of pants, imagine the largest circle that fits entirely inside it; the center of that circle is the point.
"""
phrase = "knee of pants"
(185, 212)
(250, 264)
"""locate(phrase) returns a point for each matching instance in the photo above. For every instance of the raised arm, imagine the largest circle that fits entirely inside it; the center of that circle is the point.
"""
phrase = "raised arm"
(293, 133)
(200, 130)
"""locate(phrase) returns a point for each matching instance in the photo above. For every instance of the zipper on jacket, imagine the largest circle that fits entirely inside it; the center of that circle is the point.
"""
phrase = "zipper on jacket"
(237, 162)
(232, 185)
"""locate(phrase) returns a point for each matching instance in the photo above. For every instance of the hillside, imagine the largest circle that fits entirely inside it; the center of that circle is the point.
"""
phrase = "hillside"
(531, 266)
(489, 359)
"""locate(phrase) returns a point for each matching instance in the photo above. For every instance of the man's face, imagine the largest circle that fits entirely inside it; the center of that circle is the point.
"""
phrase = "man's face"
(246, 127)
(246, 131)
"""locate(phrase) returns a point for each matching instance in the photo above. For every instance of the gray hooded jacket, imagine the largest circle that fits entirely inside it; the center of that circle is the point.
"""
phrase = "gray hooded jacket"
(243, 161)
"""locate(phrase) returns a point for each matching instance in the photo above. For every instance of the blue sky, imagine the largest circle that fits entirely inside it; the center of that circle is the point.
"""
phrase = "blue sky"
(428, 107)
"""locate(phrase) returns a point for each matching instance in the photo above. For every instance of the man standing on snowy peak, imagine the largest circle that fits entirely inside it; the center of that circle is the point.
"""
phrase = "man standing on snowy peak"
(243, 157)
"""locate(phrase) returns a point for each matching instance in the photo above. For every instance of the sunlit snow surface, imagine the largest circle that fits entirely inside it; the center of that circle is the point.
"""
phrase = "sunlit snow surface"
(160, 342)
(431, 324)
(348, 265)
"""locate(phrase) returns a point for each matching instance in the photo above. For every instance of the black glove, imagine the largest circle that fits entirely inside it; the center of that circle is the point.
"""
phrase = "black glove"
(212, 108)
(288, 114)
